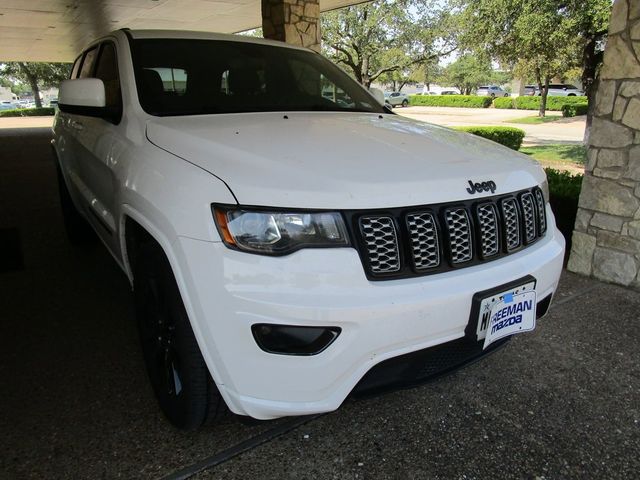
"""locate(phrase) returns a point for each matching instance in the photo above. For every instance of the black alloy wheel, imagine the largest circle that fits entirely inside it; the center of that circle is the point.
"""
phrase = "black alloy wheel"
(178, 374)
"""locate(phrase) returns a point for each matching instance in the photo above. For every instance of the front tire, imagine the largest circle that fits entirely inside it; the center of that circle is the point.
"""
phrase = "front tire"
(178, 374)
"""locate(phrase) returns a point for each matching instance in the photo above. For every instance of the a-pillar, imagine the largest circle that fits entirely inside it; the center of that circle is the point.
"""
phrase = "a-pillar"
(293, 21)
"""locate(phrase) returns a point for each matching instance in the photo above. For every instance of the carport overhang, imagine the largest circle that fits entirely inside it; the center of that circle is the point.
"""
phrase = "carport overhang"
(56, 30)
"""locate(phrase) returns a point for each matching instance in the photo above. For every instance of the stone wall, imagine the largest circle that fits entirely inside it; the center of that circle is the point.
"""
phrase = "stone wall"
(606, 240)
(292, 21)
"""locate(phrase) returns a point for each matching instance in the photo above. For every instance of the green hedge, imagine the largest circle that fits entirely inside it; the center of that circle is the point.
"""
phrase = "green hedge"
(533, 103)
(570, 110)
(503, 102)
(28, 112)
(564, 192)
(508, 136)
(464, 101)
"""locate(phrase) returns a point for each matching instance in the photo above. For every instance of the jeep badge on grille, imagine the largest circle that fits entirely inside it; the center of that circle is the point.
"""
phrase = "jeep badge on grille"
(481, 187)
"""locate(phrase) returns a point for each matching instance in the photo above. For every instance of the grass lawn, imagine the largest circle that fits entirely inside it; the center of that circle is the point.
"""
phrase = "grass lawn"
(535, 120)
(569, 158)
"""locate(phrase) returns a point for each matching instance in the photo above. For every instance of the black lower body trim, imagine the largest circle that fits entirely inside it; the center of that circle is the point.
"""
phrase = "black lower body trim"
(416, 368)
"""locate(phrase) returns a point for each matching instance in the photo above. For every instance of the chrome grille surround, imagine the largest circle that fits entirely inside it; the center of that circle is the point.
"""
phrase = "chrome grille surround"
(528, 217)
(511, 219)
(381, 240)
(540, 208)
(489, 229)
(415, 241)
(425, 247)
(459, 228)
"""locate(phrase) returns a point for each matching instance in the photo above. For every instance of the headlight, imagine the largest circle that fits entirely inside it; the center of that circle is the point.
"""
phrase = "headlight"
(544, 186)
(279, 233)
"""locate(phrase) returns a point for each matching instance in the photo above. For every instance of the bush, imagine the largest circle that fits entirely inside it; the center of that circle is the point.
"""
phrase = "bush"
(28, 112)
(553, 103)
(508, 136)
(464, 101)
(571, 110)
(564, 192)
(503, 102)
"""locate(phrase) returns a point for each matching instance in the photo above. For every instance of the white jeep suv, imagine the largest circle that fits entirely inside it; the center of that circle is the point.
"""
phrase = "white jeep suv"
(290, 241)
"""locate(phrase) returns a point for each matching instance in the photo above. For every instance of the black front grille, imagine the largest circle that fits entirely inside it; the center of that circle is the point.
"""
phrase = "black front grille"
(434, 238)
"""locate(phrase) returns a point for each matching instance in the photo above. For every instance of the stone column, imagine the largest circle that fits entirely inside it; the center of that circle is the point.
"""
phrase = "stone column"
(606, 239)
(292, 21)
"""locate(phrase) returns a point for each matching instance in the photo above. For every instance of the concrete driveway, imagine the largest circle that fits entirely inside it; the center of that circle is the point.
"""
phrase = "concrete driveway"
(569, 130)
(559, 403)
(566, 130)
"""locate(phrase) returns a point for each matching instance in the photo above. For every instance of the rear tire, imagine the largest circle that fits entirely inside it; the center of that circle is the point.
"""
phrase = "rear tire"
(405, 103)
(178, 374)
(79, 232)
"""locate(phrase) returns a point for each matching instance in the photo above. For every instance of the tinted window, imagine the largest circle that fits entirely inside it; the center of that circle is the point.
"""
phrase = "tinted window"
(190, 77)
(87, 63)
(76, 66)
(107, 71)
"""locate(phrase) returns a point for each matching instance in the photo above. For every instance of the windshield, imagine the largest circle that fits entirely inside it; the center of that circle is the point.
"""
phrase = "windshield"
(192, 77)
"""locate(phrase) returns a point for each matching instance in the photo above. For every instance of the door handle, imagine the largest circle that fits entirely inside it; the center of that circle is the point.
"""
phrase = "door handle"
(77, 125)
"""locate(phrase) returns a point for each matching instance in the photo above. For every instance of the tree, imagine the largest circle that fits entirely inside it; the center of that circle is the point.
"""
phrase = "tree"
(36, 74)
(384, 36)
(535, 37)
(468, 72)
(591, 26)
(591, 23)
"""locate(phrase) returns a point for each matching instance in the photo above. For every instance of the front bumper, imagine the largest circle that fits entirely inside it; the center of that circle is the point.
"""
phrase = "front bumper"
(227, 291)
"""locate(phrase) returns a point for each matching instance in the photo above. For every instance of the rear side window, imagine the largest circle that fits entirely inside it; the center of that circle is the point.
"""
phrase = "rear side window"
(87, 63)
(107, 71)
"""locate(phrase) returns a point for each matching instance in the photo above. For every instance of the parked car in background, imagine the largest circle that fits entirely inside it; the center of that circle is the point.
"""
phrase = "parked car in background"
(562, 90)
(449, 92)
(7, 105)
(530, 90)
(396, 98)
(491, 91)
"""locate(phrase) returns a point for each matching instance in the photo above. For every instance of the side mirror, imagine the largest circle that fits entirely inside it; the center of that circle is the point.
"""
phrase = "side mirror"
(378, 95)
(83, 96)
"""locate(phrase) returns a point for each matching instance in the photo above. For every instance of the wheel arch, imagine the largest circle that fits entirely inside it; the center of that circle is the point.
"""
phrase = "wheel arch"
(135, 229)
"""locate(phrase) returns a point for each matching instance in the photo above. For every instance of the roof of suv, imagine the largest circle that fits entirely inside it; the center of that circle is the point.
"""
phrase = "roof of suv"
(194, 35)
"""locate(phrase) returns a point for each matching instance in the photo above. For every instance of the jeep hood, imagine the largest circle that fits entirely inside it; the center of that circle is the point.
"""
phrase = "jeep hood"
(331, 160)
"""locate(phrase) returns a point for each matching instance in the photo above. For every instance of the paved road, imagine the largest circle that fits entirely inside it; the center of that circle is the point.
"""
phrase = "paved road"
(570, 130)
(559, 403)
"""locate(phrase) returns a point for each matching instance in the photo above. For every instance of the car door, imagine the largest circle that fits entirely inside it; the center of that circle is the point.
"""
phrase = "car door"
(66, 129)
(95, 139)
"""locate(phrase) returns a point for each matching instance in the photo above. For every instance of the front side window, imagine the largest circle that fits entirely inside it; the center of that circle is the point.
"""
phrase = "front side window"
(107, 71)
(76, 67)
(87, 63)
(191, 77)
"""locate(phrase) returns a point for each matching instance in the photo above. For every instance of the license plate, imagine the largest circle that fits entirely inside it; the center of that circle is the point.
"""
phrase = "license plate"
(506, 313)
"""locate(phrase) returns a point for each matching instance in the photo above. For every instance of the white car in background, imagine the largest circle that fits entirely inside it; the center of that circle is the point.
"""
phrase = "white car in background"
(491, 91)
(8, 105)
(396, 99)
(562, 90)
(286, 249)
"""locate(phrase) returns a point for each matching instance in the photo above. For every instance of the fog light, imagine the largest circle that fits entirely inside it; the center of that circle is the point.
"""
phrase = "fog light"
(293, 340)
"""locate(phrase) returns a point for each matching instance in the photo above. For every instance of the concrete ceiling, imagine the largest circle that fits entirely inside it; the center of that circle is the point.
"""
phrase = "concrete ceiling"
(56, 30)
